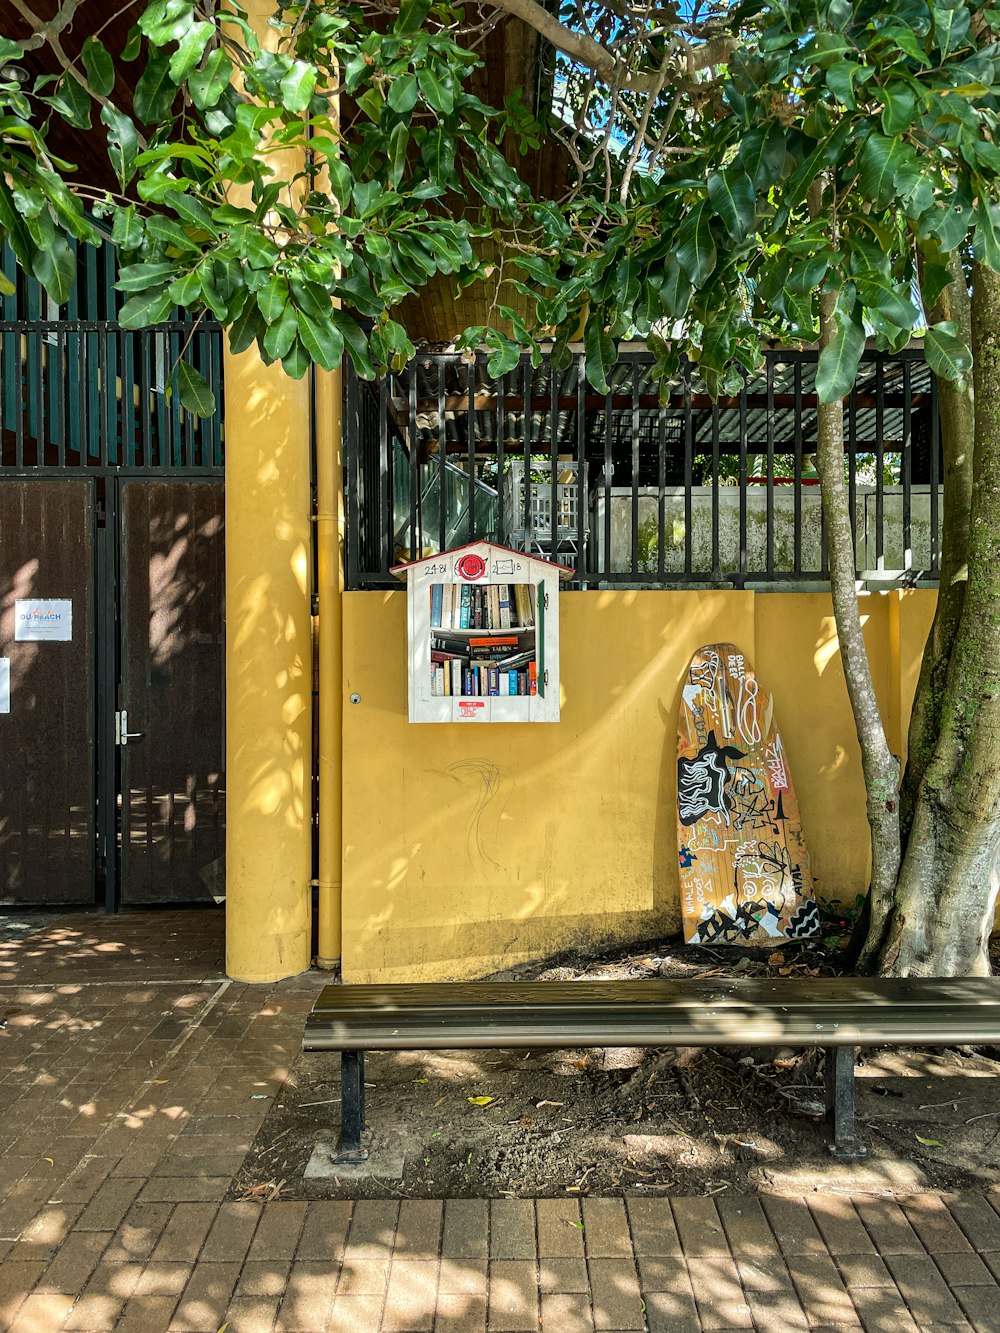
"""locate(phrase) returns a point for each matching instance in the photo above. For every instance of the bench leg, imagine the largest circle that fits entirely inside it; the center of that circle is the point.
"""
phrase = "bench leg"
(838, 1075)
(352, 1107)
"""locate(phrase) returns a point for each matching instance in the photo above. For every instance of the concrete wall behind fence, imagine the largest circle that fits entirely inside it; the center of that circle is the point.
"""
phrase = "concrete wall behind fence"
(470, 849)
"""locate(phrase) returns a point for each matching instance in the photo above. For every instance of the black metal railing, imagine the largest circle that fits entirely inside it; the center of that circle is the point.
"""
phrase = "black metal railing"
(80, 392)
(636, 488)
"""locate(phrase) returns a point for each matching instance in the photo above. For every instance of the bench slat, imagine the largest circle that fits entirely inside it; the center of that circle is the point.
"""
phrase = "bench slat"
(656, 1012)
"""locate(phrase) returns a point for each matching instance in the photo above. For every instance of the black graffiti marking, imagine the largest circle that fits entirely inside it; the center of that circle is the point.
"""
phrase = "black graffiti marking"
(702, 782)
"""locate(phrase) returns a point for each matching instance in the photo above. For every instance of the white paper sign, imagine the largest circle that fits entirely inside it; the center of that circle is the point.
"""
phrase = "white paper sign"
(43, 620)
(4, 684)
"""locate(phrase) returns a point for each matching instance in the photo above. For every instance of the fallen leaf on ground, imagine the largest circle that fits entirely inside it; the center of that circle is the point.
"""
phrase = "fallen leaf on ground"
(928, 1143)
(480, 1101)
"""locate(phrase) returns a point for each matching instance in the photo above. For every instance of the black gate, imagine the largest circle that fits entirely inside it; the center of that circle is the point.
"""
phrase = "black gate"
(112, 750)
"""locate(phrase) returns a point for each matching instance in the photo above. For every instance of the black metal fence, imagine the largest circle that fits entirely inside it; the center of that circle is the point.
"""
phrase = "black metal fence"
(78, 392)
(636, 488)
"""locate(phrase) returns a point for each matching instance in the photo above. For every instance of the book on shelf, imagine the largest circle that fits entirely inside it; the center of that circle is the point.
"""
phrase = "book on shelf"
(522, 597)
(503, 605)
(516, 660)
(437, 602)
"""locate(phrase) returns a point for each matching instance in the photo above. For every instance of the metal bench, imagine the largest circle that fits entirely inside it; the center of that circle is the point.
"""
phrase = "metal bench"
(837, 1015)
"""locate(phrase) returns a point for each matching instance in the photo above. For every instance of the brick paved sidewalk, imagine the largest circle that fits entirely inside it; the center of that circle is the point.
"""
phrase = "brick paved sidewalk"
(134, 1077)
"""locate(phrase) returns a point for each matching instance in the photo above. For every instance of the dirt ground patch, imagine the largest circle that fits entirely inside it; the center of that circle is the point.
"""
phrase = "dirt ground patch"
(487, 1124)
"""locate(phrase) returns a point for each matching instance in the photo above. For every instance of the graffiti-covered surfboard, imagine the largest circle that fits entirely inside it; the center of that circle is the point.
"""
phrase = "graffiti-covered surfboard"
(744, 867)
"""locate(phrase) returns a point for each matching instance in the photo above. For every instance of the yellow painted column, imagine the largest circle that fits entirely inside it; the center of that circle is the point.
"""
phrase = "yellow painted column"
(268, 671)
(330, 585)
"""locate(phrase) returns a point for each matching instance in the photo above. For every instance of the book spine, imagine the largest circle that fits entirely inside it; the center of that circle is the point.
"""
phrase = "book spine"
(468, 681)
(437, 601)
(493, 677)
(522, 682)
(466, 607)
(446, 593)
(532, 677)
(504, 682)
(504, 605)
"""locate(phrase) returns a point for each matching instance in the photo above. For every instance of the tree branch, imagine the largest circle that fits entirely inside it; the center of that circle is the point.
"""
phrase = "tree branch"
(588, 51)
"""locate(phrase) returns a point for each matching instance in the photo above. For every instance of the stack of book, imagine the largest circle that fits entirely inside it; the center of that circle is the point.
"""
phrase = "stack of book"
(482, 606)
(482, 666)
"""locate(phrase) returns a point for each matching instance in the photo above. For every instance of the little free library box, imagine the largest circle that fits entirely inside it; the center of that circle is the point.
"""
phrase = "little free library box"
(483, 635)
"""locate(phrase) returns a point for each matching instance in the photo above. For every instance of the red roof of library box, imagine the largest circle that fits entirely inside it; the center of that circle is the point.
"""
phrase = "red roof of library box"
(565, 571)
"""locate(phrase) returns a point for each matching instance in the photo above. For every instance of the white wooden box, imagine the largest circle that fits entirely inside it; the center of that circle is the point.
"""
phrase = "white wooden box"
(462, 641)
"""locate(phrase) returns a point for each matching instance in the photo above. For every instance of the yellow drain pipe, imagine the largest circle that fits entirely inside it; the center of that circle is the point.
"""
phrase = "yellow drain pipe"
(330, 587)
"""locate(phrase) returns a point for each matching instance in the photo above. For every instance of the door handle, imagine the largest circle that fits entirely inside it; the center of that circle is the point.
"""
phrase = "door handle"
(122, 733)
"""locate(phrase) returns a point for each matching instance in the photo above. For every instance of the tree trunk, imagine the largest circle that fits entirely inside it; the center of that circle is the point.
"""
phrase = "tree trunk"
(880, 768)
(942, 913)
(958, 422)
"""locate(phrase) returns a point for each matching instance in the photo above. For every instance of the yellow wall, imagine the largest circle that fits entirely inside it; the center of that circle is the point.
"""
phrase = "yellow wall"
(470, 849)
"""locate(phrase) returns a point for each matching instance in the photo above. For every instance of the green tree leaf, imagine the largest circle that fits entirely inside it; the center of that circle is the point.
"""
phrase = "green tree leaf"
(881, 158)
(947, 355)
(99, 66)
(55, 268)
(837, 368)
(123, 143)
(731, 194)
(600, 351)
(696, 252)
(206, 85)
(195, 394)
(190, 51)
(298, 86)
(155, 90)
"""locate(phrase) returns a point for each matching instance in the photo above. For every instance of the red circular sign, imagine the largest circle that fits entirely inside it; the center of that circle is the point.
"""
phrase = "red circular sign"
(471, 567)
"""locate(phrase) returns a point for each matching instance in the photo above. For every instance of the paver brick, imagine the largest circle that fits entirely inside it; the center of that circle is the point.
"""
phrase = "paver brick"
(252, 1314)
(231, 1233)
(883, 1310)
(567, 1313)
(699, 1227)
(466, 1229)
(966, 1270)
(349, 1314)
(185, 1233)
(929, 1216)
(512, 1229)
(653, 1229)
(412, 1296)
(373, 1229)
(458, 1277)
(978, 1221)
(42, 1310)
(840, 1226)
(163, 1279)
(460, 1313)
(418, 1230)
(308, 1298)
(924, 1290)
(263, 1278)
(606, 1230)
(673, 1310)
(889, 1228)
(145, 1313)
(513, 1296)
(74, 1262)
(981, 1305)
(321, 1234)
(560, 1229)
(821, 1290)
(718, 1294)
(566, 1275)
(614, 1289)
(137, 1237)
(864, 1270)
(793, 1225)
(747, 1228)
(771, 1295)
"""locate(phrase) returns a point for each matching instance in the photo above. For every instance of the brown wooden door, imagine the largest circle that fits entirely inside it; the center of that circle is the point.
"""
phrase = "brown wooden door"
(47, 814)
(172, 691)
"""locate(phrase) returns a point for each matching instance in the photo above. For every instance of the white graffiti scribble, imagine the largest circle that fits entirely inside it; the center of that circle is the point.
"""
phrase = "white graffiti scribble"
(705, 673)
(746, 711)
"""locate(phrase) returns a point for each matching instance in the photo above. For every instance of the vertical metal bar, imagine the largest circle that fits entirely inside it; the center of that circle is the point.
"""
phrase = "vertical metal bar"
(688, 468)
(503, 518)
(716, 556)
(879, 462)
(104, 403)
(352, 437)
(386, 486)
(176, 457)
(906, 466)
(935, 479)
(145, 442)
(661, 492)
(470, 431)
(416, 538)
(554, 386)
(770, 479)
(582, 562)
(743, 476)
(528, 387)
(838, 1076)
(106, 671)
(797, 497)
(635, 471)
(852, 471)
(609, 472)
(442, 458)
(59, 357)
(352, 1107)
